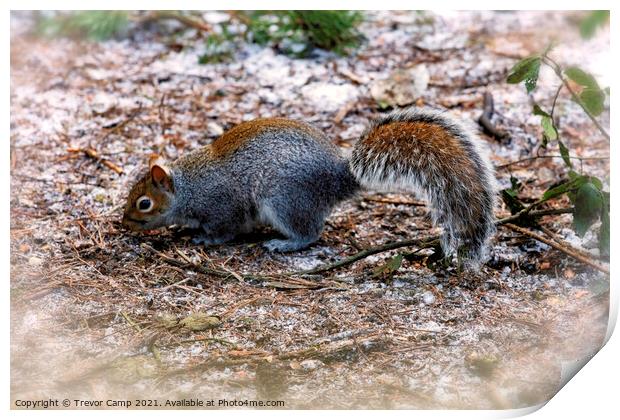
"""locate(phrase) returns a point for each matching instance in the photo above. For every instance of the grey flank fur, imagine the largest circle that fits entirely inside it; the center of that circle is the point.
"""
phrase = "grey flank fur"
(283, 178)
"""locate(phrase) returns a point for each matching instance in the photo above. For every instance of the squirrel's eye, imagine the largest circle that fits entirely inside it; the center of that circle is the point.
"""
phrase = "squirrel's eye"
(144, 204)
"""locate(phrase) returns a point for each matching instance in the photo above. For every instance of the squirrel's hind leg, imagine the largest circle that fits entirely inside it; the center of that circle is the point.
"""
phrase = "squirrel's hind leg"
(207, 240)
(287, 245)
(300, 225)
(211, 236)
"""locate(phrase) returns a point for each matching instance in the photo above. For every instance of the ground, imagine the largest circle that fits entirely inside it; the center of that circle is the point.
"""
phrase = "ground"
(98, 312)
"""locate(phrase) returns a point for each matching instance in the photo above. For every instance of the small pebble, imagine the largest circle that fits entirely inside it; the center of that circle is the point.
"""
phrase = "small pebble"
(311, 364)
(428, 298)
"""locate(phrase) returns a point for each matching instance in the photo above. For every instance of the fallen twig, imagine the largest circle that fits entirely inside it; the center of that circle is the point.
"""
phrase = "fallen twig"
(565, 248)
(131, 322)
(561, 241)
(485, 118)
(92, 153)
(119, 126)
(185, 20)
(185, 264)
(346, 108)
(328, 350)
(424, 242)
(352, 76)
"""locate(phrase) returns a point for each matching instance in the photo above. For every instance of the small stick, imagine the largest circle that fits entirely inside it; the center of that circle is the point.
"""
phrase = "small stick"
(485, 118)
(118, 127)
(185, 20)
(186, 265)
(565, 248)
(561, 241)
(351, 76)
(344, 111)
(131, 322)
(92, 153)
(272, 280)
(424, 242)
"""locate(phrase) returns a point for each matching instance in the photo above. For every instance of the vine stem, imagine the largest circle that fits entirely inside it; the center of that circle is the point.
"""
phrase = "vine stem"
(558, 71)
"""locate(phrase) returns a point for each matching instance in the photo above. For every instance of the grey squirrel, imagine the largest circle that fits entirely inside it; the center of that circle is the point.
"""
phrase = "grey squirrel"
(288, 175)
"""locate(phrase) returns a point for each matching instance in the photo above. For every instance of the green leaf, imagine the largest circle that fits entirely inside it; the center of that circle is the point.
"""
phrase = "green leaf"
(592, 96)
(594, 100)
(388, 269)
(594, 20)
(588, 202)
(564, 152)
(597, 183)
(538, 111)
(550, 132)
(567, 187)
(383, 105)
(525, 70)
(581, 78)
(549, 128)
(557, 191)
(573, 175)
(509, 197)
(532, 79)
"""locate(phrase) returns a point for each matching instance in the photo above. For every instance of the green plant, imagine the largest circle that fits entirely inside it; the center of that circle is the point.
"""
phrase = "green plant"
(104, 24)
(93, 24)
(299, 32)
(594, 20)
(218, 48)
(293, 32)
(585, 192)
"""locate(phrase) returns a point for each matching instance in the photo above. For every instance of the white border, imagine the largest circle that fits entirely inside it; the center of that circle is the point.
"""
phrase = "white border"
(593, 392)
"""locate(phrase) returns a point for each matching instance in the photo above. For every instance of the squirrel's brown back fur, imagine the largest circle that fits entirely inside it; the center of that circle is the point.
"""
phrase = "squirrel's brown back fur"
(235, 138)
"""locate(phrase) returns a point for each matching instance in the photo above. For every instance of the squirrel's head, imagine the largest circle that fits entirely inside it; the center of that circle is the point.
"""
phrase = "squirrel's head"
(150, 198)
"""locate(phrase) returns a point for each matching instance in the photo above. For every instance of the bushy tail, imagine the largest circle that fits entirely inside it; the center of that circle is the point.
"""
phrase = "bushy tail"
(440, 158)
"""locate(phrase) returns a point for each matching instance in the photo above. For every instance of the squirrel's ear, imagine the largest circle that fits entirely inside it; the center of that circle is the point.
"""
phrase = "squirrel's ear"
(160, 173)
(154, 159)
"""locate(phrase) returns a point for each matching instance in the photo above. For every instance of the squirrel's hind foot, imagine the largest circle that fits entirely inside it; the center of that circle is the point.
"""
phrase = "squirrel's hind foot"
(286, 245)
